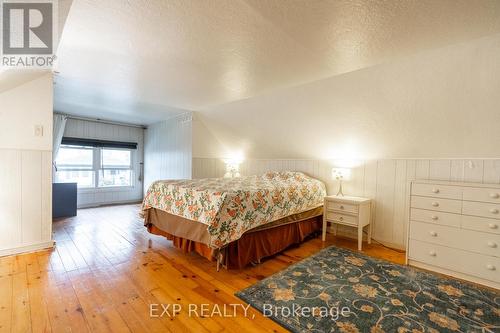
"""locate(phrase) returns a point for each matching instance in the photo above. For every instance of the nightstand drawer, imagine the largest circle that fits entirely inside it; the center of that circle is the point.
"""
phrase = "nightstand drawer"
(342, 207)
(342, 218)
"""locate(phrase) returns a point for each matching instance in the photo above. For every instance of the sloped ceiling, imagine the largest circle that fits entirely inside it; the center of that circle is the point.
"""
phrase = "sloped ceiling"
(10, 79)
(439, 103)
(143, 61)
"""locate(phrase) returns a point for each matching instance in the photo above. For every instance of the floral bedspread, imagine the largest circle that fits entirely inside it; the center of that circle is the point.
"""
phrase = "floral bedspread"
(231, 206)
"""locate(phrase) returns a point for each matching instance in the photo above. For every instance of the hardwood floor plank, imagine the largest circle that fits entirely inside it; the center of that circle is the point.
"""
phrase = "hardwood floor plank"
(5, 303)
(37, 304)
(21, 319)
(67, 260)
(56, 309)
(75, 317)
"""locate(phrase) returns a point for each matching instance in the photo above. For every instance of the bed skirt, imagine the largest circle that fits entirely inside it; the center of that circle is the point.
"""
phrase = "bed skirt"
(253, 246)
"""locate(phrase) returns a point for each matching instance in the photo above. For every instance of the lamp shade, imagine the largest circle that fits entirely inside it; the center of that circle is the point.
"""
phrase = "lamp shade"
(341, 173)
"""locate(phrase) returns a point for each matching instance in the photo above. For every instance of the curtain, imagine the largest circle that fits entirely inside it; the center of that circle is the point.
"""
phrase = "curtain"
(59, 125)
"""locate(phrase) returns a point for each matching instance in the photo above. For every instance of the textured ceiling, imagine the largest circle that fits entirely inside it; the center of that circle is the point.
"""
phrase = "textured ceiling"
(143, 61)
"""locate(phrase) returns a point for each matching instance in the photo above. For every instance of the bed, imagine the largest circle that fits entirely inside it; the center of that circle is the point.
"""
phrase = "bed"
(235, 221)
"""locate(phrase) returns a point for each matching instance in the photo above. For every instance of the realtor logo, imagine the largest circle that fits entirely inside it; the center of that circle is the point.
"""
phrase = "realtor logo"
(27, 28)
(28, 32)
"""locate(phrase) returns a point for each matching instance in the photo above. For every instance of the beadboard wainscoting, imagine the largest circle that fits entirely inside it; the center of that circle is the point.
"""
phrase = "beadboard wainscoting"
(25, 200)
(168, 149)
(91, 197)
(386, 181)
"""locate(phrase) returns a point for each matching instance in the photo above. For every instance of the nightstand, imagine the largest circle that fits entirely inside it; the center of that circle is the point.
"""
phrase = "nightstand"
(349, 211)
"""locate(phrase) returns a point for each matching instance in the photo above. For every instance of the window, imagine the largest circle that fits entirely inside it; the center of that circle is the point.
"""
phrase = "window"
(92, 167)
(115, 167)
(76, 164)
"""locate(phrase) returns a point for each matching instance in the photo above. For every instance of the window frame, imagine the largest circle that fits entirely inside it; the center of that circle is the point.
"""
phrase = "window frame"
(97, 167)
(62, 168)
(102, 168)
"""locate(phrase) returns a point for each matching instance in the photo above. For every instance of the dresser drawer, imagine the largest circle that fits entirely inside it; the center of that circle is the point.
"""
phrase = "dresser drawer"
(491, 195)
(437, 204)
(342, 207)
(341, 218)
(473, 241)
(431, 216)
(481, 224)
(482, 266)
(437, 191)
(481, 209)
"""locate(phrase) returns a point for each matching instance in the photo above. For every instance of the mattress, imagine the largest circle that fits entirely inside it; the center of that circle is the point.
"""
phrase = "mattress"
(229, 207)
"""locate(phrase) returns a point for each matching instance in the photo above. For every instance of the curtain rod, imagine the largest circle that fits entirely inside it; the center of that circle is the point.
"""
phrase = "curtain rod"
(102, 121)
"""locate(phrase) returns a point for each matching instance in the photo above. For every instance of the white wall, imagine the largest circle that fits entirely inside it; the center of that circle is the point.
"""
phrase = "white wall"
(23, 107)
(96, 130)
(25, 166)
(441, 103)
(168, 150)
(385, 181)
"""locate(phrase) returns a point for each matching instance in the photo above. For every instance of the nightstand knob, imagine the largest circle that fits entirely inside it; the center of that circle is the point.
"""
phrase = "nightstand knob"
(433, 233)
(435, 190)
(434, 217)
(341, 207)
(492, 226)
(491, 267)
(492, 244)
(341, 218)
(494, 195)
(435, 204)
(432, 253)
(494, 211)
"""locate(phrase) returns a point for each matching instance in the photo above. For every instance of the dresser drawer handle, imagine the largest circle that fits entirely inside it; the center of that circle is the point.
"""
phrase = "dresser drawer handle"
(494, 211)
(492, 244)
(491, 267)
(435, 204)
(433, 233)
(434, 217)
(435, 190)
(492, 226)
(494, 195)
(341, 207)
(341, 218)
(432, 253)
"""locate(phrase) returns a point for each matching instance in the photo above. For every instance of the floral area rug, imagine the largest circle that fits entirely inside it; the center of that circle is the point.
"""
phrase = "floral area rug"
(338, 290)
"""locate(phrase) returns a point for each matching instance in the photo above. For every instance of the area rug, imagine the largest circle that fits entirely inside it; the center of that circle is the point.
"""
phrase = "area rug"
(338, 290)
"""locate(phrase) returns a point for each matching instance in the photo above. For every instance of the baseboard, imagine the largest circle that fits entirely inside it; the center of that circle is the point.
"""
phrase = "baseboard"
(27, 248)
(114, 203)
(347, 233)
(390, 245)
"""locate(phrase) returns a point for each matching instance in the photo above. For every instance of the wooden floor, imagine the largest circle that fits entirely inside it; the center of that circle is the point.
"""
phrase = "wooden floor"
(107, 269)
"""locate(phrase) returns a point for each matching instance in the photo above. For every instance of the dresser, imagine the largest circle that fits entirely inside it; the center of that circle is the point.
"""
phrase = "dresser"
(454, 229)
(349, 211)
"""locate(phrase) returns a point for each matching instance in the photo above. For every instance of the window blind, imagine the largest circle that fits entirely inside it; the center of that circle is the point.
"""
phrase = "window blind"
(98, 143)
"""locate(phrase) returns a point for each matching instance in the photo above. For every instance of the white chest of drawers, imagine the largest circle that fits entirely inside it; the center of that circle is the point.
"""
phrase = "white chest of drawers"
(454, 229)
